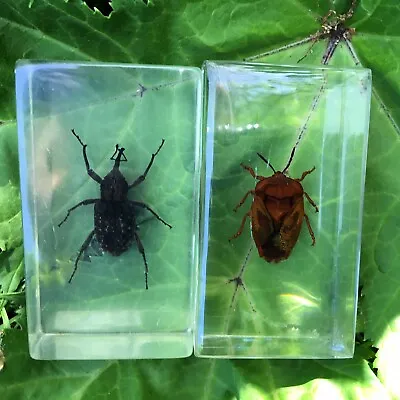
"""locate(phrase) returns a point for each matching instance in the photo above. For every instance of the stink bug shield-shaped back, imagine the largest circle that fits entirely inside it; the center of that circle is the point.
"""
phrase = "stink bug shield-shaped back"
(115, 225)
(277, 212)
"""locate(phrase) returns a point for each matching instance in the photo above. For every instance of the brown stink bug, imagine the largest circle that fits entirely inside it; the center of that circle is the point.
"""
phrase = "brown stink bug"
(277, 212)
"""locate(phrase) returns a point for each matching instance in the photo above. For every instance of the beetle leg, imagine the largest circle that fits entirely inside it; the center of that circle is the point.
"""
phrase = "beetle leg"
(310, 229)
(90, 172)
(244, 199)
(142, 177)
(82, 203)
(239, 232)
(311, 201)
(140, 204)
(252, 173)
(82, 249)
(305, 173)
(141, 251)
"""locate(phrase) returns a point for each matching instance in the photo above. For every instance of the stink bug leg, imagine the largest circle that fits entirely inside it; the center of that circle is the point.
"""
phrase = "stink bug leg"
(311, 232)
(239, 232)
(304, 174)
(250, 192)
(310, 200)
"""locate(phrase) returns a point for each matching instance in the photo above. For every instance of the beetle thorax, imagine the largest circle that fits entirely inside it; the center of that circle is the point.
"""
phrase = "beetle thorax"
(279, 186)
(114, 186)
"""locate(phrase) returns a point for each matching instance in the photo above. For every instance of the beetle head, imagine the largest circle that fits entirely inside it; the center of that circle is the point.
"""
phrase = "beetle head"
(117, 156)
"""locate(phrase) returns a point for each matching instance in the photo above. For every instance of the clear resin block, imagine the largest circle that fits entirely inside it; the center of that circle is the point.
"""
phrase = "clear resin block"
(105, 311)
(303, 306)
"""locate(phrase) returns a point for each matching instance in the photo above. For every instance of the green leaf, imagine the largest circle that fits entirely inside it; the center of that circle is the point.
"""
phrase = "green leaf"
(183, 32)
(10, 217)
(190, 378)
(104, 7)
(11, 253)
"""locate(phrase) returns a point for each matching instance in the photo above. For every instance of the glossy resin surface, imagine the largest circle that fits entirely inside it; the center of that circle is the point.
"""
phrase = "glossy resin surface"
(106, 312)
(305, 306)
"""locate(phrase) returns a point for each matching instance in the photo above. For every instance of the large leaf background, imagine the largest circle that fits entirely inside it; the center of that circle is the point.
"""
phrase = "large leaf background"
(186, 33)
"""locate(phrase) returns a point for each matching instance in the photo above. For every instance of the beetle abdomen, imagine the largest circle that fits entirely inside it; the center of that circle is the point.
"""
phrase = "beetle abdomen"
(272, 250)
(114, 226)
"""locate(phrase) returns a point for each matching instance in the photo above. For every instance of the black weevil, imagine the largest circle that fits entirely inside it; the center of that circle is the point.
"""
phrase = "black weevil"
(115, 225)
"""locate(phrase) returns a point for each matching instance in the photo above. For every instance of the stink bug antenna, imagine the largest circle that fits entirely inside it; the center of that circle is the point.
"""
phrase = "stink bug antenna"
(118, 154)
(267, 162)
(290, 160)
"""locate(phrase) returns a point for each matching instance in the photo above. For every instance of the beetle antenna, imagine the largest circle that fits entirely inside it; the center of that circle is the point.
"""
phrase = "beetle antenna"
(118, 153)
(266, 161)
(115, 152)
(290, 160)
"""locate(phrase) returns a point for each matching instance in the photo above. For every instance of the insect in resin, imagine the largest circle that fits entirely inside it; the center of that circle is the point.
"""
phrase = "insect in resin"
(277, 212)
(115, 225)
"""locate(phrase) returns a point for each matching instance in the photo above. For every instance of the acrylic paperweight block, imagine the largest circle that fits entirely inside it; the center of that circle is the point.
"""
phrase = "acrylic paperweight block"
(268, 293)
(104, 311)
